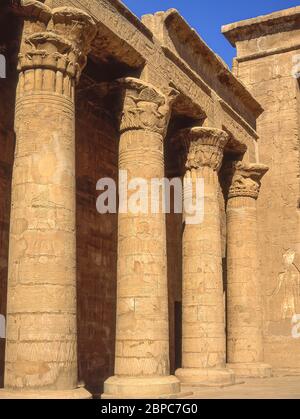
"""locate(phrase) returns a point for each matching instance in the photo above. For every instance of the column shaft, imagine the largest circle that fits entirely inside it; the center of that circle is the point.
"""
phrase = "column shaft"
(243, 285)
(203, 302)
(142, 311)
(41, 309)
(41, 344)
(142, 335)
(244, 291)
(203, 327)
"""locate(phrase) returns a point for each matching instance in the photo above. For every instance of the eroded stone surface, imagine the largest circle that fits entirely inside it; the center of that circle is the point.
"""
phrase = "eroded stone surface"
(139, 290)
(267, 60)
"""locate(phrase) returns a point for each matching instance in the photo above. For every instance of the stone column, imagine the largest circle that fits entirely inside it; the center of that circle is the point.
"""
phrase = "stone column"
(34, 17)
(203, 328)
(244, 291)
(142, 335)
(41, 345)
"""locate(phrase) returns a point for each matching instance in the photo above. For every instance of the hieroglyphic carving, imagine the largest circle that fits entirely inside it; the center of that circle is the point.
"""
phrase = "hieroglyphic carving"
(244, 291)
(286, 295)
(142, 338)
(162, 67)
(42, 255)
(203, 323)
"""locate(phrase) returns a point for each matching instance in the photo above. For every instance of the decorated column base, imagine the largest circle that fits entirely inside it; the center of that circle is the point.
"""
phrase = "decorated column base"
(251, 370)
(208, 377)
(143, 388)
(76, 394)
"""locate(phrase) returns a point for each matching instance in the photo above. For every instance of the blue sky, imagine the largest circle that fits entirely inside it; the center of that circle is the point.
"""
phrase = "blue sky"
(208, 16)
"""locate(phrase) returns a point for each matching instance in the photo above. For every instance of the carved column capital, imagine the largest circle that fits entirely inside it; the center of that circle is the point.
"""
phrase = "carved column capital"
(35, 17)
(49, 51)
(144, 107)
(71, 23)
(34, 11)
(76, 26)
(62, 47)
(246, 179)
(203, 147)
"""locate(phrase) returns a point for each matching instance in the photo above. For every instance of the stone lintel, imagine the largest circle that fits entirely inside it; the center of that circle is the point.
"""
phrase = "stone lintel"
(136, 54)
(115, 47)
(280, 21)
(170, 24)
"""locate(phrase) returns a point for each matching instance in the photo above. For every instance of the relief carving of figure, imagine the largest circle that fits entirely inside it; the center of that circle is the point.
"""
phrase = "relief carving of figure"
(287, 291)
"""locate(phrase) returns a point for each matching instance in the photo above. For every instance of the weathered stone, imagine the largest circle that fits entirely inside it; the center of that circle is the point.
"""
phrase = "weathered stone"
(244, 299)
(44, 177)
(202, 289)
(89, 296)
(267, 62)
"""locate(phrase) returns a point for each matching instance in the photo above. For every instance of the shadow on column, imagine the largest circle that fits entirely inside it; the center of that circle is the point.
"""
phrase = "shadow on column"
(10, 28)
(96, 155)
(175, 226)
(234, 151)
(97, 140)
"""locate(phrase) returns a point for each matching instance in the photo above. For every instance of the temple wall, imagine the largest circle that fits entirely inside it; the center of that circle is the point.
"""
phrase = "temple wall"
(97, 157)
(269, 78)
(96, 153)
(206, 94)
